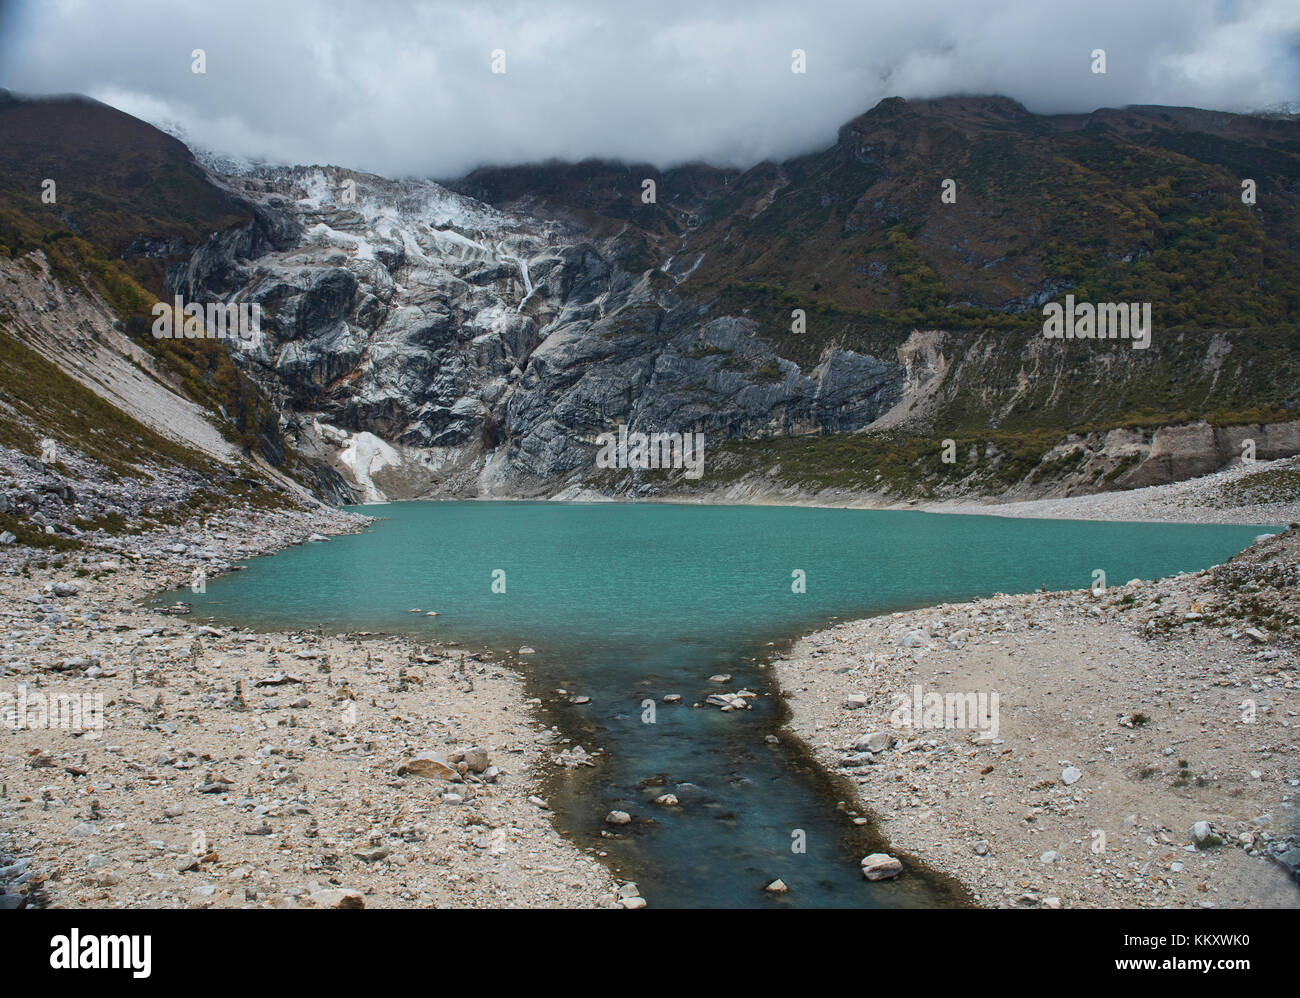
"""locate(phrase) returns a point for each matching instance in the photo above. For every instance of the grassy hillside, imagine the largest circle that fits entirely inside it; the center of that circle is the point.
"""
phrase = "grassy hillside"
(130, 201)
(1139, 204)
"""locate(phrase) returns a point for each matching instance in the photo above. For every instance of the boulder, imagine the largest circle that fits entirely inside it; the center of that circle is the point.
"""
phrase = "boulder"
(476, 759)
(337, 897)
(881, 866)
(874, 741)
(428, 764)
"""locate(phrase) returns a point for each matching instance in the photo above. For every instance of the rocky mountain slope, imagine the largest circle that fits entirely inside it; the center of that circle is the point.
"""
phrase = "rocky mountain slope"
(440, 345)
(826, 323)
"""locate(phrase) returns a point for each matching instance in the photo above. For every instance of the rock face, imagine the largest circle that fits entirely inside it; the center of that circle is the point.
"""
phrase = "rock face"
(418, 342)
(1181, 452)
(1137, 458)
(426, 343)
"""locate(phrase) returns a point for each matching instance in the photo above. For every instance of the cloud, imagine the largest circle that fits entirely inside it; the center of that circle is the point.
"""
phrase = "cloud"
(401, 88)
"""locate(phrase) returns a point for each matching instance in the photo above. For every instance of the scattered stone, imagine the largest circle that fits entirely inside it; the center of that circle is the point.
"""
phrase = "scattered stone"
(429, 765)
(1204, 836)
(881, 866)
(875, 741)
(341, 897)
(476, 759)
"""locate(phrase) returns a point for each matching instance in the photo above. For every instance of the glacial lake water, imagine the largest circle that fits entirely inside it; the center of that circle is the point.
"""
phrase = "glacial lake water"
(628, 602)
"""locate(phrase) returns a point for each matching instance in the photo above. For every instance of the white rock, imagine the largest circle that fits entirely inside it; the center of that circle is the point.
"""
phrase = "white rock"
(874, 741)
(881, 866)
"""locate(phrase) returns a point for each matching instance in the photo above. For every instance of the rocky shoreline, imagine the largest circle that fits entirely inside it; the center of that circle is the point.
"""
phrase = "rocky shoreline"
(162, 763)
(1133, 747)
(1266, 493)
(216, 767)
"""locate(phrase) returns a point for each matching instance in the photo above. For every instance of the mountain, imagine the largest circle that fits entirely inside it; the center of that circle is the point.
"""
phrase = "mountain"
(475, 336)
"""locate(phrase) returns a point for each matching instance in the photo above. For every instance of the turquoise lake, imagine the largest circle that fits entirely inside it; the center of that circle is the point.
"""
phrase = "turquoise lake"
(625, 602)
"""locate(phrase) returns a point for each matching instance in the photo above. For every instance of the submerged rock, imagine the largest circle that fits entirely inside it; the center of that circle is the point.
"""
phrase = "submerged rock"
(881, 866)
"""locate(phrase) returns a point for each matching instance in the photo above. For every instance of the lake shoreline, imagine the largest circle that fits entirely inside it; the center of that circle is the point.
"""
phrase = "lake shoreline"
(1203, 500)
(1088, 800)
(241, 768)
(146, 569)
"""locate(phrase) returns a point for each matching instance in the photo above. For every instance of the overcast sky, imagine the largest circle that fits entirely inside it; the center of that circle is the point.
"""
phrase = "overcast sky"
(407, 88)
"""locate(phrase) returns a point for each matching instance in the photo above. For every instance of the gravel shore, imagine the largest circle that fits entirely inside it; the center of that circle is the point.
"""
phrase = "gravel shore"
(1145, 751)
(1264, 492)
(162, 763)
(1137, 747)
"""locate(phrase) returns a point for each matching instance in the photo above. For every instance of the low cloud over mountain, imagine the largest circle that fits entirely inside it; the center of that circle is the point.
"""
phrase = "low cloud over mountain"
(408, 88)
